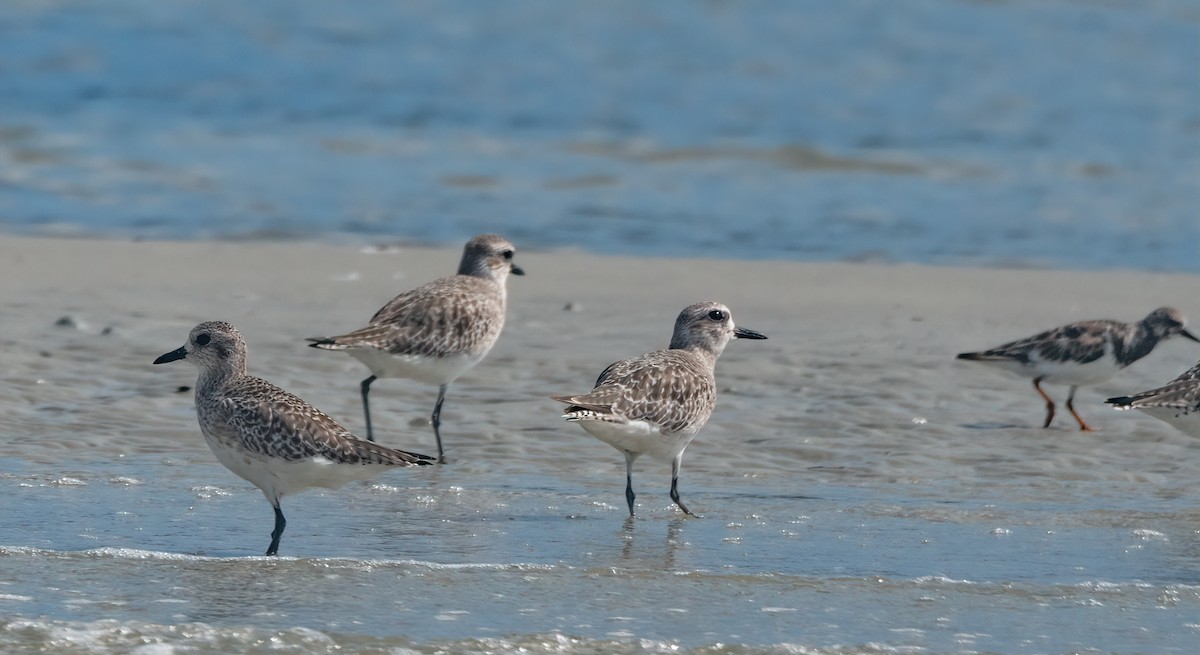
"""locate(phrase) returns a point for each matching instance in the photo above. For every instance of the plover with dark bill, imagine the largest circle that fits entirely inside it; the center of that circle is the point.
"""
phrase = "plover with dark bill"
(1176, 402)
(1083, 353)
(268, 436)
(655, 404)
(439, 330)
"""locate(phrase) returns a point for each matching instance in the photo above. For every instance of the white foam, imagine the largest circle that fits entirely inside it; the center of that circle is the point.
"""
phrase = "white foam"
(941, 579)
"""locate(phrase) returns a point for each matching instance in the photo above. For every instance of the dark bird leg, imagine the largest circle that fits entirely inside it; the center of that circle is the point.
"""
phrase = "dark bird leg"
(280, 524)
(1071, 406)
(1037, 384)
(629, 495)
(675, 483)
(366, 388)
(436, 419)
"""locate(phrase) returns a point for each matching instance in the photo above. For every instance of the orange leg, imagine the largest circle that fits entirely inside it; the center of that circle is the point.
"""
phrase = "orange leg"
(1037, 384)
(1070, 406)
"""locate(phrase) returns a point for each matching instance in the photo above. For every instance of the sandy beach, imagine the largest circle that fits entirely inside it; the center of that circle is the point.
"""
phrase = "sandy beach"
(853, 347)
(849, 448)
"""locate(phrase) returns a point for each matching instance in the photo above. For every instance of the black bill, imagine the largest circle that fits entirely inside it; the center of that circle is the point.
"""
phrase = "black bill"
(172, 356)
(743, 333)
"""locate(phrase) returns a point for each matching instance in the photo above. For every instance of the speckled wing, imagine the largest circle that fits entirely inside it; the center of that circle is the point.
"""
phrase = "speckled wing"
(1080, 343)
(668, 388)
(261, 418)
(1182, 393)
(457, 314)
(1179, 395)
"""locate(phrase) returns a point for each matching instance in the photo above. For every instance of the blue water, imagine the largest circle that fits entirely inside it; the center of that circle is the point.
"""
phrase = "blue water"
(1058, 134)
(153, 545)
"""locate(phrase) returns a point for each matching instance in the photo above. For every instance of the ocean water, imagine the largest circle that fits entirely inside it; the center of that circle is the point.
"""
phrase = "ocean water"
(159, 550)
(1057, 134)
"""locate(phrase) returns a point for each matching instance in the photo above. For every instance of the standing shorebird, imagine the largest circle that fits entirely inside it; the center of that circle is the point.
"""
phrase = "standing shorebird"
(655, 404)
(1176, 402)
(1083, 353)
(439, 330)
(266, 435)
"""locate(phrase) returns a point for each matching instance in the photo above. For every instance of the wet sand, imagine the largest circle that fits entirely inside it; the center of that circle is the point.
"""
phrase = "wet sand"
(852, 464)
(854, 349)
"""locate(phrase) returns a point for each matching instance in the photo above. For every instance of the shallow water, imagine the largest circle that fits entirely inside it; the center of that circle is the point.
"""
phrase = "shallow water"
(143, 550)
(1054, 134)
(859, 490)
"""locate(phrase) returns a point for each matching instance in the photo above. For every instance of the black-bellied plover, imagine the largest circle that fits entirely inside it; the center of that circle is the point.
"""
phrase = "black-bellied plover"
(1176, 402)
(439, 330)
(655, 404)
(266, 435)
(1083, 353)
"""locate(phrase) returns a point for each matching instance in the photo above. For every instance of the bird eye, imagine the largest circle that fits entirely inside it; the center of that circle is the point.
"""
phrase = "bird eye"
(203, 340)
(717, 315)
(507, 254)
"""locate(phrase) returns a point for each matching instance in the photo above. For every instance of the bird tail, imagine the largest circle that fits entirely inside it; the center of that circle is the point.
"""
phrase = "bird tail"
(395, 456)
(1121, 402)
(421, 460)
(326, 343)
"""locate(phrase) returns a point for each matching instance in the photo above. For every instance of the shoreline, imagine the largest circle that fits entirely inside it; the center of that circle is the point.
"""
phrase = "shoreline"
(367, 244)
(200, 280)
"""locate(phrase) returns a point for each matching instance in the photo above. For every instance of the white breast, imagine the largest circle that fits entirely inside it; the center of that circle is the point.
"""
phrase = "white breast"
(1187, 422)
(433, 370)
(1070, 372)
(639, 437)
(278, 477)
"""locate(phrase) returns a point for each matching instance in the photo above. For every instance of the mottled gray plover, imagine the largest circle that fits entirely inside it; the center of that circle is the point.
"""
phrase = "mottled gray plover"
(439, 330)
(1083, 353)
(1177, 402)
(655, 404)
(266, 435)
